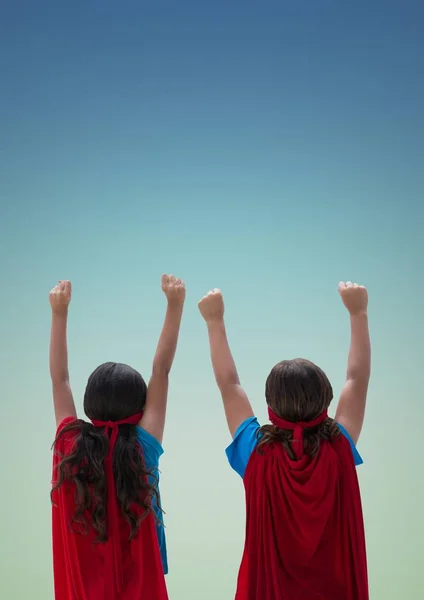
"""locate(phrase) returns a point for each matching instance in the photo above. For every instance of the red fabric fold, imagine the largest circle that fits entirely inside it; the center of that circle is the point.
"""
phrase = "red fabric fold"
(305, 536)
(118, 569)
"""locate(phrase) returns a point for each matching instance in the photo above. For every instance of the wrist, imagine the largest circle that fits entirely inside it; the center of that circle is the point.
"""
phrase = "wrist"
(361, 314)
(216, 322)
(60, 314)
(175, 304)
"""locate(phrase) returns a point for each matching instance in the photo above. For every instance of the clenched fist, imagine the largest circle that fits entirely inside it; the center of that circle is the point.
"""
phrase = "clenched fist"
(211, 306)
(354, 296)
(174, 290)
(60, 297)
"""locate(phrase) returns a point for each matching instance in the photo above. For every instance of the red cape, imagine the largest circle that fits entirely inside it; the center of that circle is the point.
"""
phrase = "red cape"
(83, 569)
(305, 535)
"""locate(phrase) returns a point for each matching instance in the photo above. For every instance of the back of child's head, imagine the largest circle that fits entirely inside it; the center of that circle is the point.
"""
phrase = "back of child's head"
(114, 392)
(298, 391)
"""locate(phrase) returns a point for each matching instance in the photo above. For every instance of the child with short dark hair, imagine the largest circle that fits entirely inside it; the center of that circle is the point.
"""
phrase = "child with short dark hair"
(305, 535)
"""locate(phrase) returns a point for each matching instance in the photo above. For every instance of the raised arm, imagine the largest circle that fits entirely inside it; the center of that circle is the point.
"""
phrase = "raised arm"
(236, 403)
(351, 407)
(153, 419)
(63, 401)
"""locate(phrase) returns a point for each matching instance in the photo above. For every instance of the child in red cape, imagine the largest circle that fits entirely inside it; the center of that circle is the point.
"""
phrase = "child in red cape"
(304, 526)
(108, 535)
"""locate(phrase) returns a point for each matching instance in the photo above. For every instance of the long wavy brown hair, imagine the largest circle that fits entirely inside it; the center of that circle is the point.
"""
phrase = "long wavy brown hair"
(114, 391)
(298, 390)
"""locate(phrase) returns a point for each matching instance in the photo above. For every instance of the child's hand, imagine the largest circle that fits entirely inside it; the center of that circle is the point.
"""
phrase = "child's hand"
(211, 306)
(60, 297)
(354, 296)
(174, 290)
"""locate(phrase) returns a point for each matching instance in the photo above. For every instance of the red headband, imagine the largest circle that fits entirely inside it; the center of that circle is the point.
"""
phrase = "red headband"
(298, 428)
(113, 544)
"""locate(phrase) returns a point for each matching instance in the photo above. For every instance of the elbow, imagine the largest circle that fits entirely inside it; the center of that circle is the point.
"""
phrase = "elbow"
(359, 376)
(227, 382)
(60, 381)
(359, 382)
(359, 371)
(59, 378)
(161, 370)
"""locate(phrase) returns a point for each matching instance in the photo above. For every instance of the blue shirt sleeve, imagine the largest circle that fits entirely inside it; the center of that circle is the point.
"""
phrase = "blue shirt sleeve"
(151, 448)
(356, 456)
(245, 441)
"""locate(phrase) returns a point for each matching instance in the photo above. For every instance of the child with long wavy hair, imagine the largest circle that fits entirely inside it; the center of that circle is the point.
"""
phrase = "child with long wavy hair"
(305, 535)
(108, 533)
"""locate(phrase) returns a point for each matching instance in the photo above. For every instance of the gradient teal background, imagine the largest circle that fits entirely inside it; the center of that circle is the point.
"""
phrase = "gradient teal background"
(266, 148)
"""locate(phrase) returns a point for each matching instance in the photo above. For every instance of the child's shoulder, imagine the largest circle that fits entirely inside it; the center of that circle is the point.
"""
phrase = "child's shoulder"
(244, 442)
(65, 423)
(65, 439)
(152, 448)
(356, 456)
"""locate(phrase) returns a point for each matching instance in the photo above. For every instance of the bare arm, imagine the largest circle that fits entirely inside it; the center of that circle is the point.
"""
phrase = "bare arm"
(351, 407)
(154, 415)
(236, 403)
(62, 394)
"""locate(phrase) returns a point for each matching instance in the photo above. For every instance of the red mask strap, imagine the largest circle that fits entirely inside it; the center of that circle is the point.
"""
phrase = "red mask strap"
(297, 428)
(113, 541)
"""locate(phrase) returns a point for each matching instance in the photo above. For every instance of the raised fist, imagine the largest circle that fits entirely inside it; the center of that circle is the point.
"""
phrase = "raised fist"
(354, 296)
(211, 306)
(174, 289)
(60, 297)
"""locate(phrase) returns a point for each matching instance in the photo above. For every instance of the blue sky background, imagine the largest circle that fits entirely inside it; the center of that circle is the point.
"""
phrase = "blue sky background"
(266, 148)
